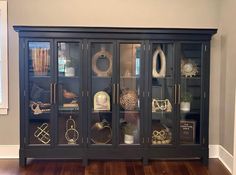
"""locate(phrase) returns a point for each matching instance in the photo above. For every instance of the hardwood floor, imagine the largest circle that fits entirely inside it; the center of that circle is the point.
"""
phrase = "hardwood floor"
(72, 167)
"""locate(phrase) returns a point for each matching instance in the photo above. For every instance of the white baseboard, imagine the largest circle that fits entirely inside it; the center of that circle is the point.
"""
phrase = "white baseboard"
(215, 151)
(9, 151)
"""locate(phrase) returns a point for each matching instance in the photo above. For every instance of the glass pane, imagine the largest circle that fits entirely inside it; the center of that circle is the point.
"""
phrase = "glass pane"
(102, 92)
(190, 103)
(39, 92)
(68, 59)
(162, 94)
(39, 58)
(129, 93)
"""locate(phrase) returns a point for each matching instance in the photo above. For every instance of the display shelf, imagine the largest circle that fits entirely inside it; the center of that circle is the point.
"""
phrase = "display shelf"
(97, 112)
(137, 52)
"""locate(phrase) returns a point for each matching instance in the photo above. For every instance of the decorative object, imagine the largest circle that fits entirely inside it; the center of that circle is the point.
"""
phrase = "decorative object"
(71, 134)
(70, 65)
(101, 132)
(40, 60)
(186, 99)
(69, 71)
(61, 61)
(103, 53)
(69, 95)
(39, 107)
(101, 101)
(39, 94)
(188, 68)
(187, 131)
(42, 133)
(162, 135)
(162, 72)
(129, 99)
(161, 105)
(128, 129)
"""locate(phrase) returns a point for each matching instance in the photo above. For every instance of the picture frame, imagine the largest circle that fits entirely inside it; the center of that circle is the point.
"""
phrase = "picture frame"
(187, 131)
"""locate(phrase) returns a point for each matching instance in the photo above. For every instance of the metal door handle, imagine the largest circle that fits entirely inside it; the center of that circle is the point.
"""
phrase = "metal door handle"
(55, 91)
(175, 93)
(114, 93)
(118, 93)
(51, 93)
(179, 94)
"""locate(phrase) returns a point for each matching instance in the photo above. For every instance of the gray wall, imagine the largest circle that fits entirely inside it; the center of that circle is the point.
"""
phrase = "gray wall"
(142, 13)
(227, 30)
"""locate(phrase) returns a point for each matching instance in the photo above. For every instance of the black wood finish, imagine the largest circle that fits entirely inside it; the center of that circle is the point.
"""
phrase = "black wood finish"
(147, 37)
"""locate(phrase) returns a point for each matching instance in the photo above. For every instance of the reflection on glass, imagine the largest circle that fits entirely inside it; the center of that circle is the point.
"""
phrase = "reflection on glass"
(39, 58)
(190, 101)
(129, 89)
(68, 92)
(162, 93)
(102, 93)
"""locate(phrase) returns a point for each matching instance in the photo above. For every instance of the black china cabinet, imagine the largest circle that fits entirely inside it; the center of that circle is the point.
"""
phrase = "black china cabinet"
(114, 93)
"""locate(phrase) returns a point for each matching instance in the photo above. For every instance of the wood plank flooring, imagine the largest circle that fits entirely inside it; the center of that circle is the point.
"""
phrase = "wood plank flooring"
(72, 167)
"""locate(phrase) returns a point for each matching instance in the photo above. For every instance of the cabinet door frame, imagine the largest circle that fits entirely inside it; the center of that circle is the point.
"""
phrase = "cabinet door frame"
(81, 94)
(203, 114)
(26, 95)
(89, 101)
(142, 93)
(149, 61)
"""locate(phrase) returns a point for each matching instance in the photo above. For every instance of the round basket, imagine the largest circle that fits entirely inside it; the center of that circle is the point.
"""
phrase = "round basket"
(129, 99)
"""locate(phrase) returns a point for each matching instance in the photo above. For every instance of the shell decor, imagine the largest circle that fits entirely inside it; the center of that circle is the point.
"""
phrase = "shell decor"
(188, 68)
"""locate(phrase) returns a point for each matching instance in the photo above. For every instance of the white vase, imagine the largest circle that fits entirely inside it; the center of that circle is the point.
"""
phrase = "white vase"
(129, 139)
(185, 106)
(69, 71)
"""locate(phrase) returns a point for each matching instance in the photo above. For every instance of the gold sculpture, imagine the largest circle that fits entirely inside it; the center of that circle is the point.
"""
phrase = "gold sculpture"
(42, 133)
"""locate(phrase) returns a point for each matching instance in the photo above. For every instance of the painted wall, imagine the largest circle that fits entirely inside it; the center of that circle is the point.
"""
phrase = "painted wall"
(143, 13)
(227, 29)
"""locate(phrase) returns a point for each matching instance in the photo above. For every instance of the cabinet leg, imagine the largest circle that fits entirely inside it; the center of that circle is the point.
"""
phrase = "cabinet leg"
(145, 161)
(85, 162)
(22, 161)
(205, 160)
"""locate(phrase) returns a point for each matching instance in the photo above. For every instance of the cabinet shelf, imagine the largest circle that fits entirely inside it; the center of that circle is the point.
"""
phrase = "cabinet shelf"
(69, 77)
(97, 112)
(129, 77)
(101, 77)
(130, 112)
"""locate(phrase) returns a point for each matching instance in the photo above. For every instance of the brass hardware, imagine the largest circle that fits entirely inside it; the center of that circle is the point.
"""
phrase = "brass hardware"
(179, 95)
(54, 92)
(118, 93)
(175, 93)
(113, 94)
(51, 89)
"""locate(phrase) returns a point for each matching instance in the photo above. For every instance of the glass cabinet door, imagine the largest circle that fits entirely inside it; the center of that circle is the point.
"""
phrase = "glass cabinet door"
(39, 100)
(129, 89)
(69, 93)
(162, 90)
(101, 93)
(190, 91)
